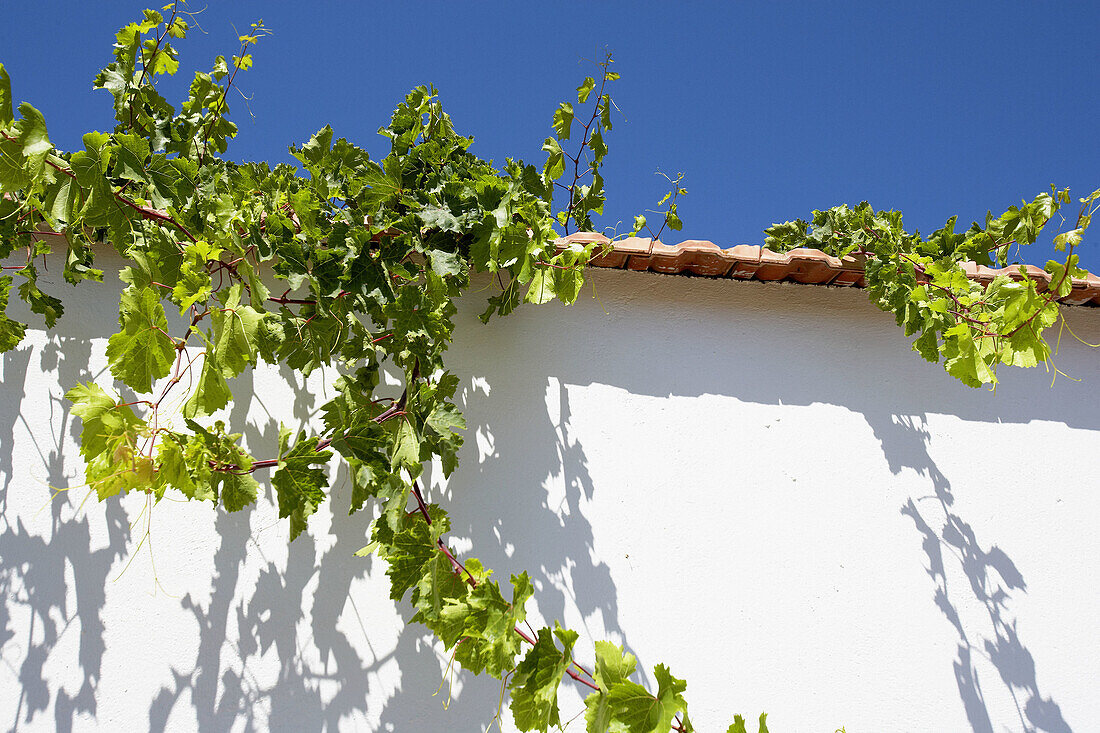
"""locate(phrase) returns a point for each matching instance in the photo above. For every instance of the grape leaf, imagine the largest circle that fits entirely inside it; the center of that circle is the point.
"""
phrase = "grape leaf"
(613, 667)
(639, 711)
(6, 114)
(238, 490)
(23, 149)
(109, 433)
(563, 120)
(738, 725)
(406, 448)
(407, 555)
(211, 391)
(11, 331)
(585, 89)
(142, 352)
(104, 420)
(235, 330)
(440, 582)
(486, 622)
(299, 483)
(535, 683)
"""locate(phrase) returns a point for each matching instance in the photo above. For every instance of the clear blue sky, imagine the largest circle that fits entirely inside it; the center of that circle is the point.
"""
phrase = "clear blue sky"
(771, 109)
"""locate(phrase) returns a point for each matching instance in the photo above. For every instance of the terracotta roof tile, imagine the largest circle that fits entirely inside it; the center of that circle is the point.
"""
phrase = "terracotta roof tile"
(806, 266)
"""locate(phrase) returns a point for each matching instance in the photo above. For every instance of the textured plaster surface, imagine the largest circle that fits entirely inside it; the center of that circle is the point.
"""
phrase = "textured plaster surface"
(756, 484)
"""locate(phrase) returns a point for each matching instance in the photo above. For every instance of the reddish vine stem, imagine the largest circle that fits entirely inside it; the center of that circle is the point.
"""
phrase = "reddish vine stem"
(387, 414)
(1052, 294)
(221, 104)
(584, 143)
(422, 507)
(284, 300)
(1051, 291)
(146, 212)
(176, 376)
(145, 64)
(293, 301)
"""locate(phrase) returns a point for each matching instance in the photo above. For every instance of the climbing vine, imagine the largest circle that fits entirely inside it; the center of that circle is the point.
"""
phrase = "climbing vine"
(370, 257)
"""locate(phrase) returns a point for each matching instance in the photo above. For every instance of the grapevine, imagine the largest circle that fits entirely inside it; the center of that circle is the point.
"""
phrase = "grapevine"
(370, 257)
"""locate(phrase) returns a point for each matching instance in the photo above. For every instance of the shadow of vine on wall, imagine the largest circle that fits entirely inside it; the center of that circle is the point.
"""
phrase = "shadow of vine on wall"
(290, 643)
(334, 653)
(774, 371)
(280, 643)
(993, 579)
(37, 565)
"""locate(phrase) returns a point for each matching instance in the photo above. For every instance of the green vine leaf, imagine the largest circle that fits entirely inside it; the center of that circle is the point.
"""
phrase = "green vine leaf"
(236, 333)
(585, 89)
(407, 544)
(142, 352)
(105, 422)
(131, 157)
(211, 392)
(641, 712)
(613, 668)
(563, 120)
(173, 471)
(738, 725)
(6, 114)
(406, 448)
(23, 148)
(299, 483)
(440, 583)
(108, 439)
(194, 284)
(218, 466)
(11, 331)
(238, 491)
(534, 685)
(485, 622)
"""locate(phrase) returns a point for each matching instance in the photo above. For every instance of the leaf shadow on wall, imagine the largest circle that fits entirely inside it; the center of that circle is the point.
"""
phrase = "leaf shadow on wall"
(279, 641)
(36, 565)
(335, 654)
(55, 576)
(282, 644)
(515, 502)
(494, 501)
(256, 610)
(993, 579)
(761, 335)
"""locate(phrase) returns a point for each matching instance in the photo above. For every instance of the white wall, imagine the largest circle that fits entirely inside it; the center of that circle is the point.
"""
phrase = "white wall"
(759, 485)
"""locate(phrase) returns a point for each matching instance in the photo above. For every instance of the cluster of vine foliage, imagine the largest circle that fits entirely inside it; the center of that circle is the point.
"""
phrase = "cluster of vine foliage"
(372, 255)
(974, 327)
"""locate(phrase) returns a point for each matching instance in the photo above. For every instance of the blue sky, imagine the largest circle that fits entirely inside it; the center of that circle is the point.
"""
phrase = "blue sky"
(771, 109)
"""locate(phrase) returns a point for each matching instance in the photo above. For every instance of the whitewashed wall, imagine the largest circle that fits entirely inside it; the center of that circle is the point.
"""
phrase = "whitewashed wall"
(759, 485)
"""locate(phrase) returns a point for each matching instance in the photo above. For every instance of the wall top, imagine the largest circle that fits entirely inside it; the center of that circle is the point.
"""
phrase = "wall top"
(806, 266)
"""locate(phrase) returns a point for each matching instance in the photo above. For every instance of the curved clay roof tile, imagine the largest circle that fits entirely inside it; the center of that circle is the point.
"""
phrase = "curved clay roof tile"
(806, 266)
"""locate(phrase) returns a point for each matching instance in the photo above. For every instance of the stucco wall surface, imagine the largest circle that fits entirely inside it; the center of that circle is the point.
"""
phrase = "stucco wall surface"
(758, 485)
